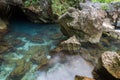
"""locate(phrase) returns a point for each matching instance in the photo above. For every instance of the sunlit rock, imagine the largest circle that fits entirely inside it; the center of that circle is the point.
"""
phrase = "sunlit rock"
(82, 78)
(113, 33)
(107, 26)
(86, 24)
(108, 67)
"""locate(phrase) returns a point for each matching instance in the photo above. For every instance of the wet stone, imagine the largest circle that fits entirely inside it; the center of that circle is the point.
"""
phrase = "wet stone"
(37, 39)
(56, 36)
(5, 47)
(21, 68)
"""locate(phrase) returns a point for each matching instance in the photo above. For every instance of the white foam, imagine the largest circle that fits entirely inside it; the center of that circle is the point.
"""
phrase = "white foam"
(75, 66)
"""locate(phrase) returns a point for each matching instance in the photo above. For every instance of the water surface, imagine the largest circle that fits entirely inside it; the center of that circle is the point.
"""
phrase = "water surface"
(23, 35)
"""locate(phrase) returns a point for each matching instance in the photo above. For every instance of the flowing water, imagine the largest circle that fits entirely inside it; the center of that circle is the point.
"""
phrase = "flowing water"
(23, 35)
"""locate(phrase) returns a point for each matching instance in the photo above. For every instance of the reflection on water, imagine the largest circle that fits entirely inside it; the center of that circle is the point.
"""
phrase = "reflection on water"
(27, 39)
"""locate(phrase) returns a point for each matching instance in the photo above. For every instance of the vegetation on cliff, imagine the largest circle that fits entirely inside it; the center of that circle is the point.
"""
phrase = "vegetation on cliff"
(106, 1)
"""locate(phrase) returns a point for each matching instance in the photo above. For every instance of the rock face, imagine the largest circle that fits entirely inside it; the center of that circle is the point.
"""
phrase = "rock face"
(112, 10)
(108, 67)
(39, 11)
(82, 78)
(86, 24)
(3, 28)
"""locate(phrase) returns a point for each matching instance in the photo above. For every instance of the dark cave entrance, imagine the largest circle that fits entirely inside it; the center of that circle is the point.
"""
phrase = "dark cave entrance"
(17, 14)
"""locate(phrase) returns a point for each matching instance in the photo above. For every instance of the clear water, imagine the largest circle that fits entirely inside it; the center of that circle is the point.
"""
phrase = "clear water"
(24, 32)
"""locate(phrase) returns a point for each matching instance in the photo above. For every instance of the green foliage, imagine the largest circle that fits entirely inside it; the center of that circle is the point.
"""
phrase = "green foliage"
(104, 7)
(61, 6)
(31, 2)
(106, 1)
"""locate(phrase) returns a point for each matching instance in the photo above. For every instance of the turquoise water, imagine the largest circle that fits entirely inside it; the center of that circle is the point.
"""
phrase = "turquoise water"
(25, 37)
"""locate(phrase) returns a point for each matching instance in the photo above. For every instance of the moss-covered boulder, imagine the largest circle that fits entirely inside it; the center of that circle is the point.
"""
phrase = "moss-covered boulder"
(86, 24)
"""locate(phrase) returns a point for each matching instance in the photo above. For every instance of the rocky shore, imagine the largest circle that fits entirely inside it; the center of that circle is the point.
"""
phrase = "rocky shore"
(92, 30)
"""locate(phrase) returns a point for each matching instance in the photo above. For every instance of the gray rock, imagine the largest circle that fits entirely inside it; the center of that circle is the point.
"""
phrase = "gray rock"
(86, 24)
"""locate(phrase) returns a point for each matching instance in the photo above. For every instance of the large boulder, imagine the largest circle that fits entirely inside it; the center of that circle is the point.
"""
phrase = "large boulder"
(86, 24)
(108, 67)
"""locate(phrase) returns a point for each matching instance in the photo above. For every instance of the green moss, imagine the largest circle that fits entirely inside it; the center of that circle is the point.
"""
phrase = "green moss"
(31, 2)
(104, 7)
(105, 1)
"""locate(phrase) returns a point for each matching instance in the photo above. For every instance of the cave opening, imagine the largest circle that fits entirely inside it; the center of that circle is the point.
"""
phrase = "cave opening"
(17, 14)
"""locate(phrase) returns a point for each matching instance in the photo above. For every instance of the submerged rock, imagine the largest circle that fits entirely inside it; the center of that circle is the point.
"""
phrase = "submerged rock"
(37, 39)
(70, 46)
(21, 68)
(1, 59)
(56, 36)
(37, 54)
(82, 78)
(86, 24)
(108, 67)
(39, 57)
(4, 47)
